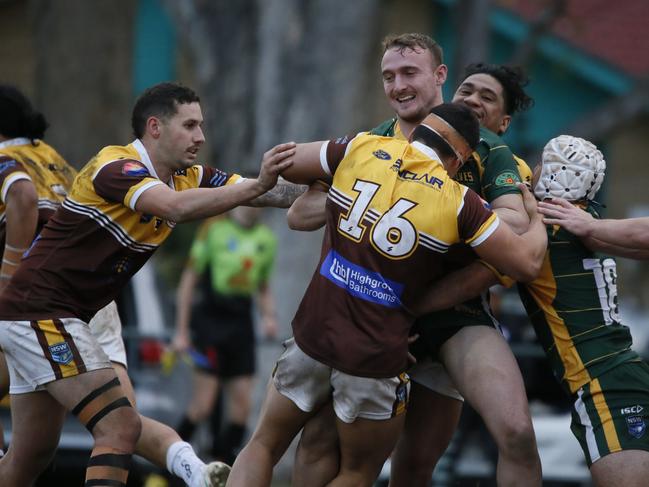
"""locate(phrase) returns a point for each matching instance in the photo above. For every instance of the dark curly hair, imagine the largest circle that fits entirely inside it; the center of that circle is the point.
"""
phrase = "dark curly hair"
(18, 118)
(513, 80)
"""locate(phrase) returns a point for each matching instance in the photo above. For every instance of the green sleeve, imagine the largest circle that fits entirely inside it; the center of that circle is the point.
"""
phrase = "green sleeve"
(500, 172)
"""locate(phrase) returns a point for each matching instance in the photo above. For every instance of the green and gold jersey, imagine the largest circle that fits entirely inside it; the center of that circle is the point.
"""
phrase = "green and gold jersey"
(239, 259)
(97, 240)
(573, 307)
(492, 171)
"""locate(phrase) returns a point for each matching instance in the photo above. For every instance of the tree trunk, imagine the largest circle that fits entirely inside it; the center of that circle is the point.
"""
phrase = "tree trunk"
(472, 26)
(269, 71)
(87, 102)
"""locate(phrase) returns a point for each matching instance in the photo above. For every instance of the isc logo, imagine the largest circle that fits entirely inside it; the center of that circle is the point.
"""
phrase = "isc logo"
(632, 409)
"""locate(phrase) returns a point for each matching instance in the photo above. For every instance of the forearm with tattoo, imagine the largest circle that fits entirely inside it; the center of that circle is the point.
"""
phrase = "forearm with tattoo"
(281, 196)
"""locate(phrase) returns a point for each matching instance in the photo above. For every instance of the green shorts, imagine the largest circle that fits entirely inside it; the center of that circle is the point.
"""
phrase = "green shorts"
(435, 329)
(610, 413)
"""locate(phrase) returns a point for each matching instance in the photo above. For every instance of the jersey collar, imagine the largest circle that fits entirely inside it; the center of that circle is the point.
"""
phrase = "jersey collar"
(426, 150)
(16, 141)
(146, 160)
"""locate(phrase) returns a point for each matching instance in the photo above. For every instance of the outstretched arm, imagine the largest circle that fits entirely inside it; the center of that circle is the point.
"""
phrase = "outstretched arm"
(283, 195)
(307, 167)
(626, 238)
(192, 204)
(618, 250)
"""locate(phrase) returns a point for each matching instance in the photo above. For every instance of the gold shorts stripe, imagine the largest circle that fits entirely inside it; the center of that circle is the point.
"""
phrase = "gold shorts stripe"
(400, 404)
(43, 341)
(605, 417)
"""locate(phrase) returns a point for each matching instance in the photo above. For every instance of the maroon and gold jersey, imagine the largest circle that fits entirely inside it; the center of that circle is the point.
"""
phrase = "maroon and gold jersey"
(43, 166)
(392, 214)
(96, 241)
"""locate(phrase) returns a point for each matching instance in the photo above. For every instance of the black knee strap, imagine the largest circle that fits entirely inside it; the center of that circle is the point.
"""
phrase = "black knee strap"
(111, 403)
(113, 465)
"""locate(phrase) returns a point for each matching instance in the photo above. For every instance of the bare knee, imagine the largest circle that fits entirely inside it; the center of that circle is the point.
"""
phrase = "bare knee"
(120, 429)
(518, 438)
(319, 439)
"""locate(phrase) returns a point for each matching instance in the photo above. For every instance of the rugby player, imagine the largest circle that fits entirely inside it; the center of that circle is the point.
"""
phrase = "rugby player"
(573, 306)
(35, 179)
(495, 94)
(121, 207)
(383, 244)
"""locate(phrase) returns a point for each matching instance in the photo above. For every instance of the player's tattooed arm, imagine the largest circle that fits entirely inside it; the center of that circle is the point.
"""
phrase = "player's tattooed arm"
(281, 196)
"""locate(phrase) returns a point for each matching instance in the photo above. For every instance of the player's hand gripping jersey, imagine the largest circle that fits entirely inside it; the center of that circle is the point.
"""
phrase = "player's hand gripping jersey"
(43, 166)
(392, 213)
(96, 241)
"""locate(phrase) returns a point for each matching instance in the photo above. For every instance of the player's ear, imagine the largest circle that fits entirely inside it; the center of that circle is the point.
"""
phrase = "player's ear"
(441, 72)
(504, 124)
(153, 127)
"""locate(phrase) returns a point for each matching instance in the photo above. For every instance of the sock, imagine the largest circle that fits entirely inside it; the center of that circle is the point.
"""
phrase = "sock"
(183, 462)
(232, 440)
(216, 419)
(186, 429)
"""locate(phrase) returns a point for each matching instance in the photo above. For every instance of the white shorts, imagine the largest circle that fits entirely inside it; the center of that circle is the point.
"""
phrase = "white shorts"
(39, 352)
(433, 376)
(107, 329)
(310, 384)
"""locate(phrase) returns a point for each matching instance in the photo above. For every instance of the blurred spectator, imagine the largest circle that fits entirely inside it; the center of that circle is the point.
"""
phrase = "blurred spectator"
(230, 264)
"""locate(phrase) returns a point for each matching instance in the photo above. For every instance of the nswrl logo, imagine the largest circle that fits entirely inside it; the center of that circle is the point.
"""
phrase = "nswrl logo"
(61, 353)
(636, 426)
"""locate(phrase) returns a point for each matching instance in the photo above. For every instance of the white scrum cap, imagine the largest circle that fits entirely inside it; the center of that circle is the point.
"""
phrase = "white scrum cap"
(572, 168)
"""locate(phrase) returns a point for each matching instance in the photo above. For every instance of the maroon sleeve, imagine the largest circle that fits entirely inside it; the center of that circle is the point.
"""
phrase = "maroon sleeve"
(116, 178)
(474, 213)
(9, 166)
(336, 149)
(214, 178)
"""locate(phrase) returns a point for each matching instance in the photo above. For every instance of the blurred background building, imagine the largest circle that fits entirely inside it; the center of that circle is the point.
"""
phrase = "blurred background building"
(275, 70)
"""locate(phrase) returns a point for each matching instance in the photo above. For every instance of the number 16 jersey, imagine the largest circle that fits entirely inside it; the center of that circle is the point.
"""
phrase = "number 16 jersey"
(392, 213)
